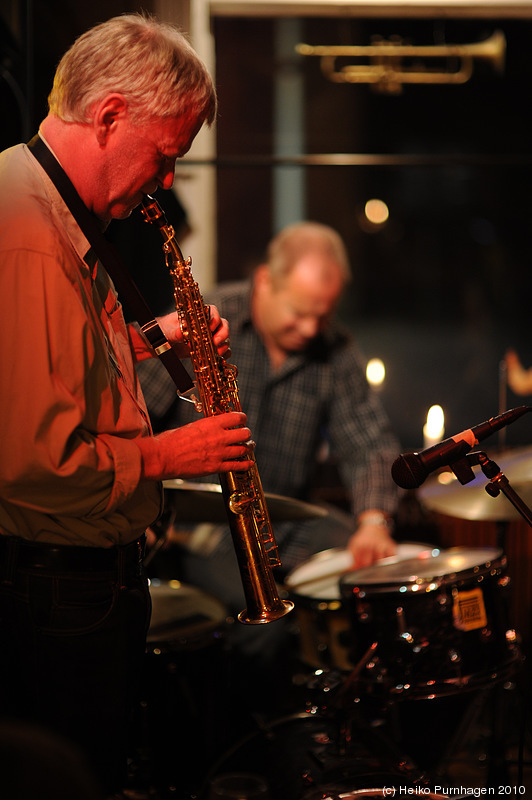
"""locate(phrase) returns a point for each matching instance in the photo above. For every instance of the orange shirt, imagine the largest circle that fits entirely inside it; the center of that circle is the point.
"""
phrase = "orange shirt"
(70, 404)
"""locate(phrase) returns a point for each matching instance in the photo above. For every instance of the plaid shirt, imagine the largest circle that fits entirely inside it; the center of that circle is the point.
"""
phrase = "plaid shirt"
(321, 394)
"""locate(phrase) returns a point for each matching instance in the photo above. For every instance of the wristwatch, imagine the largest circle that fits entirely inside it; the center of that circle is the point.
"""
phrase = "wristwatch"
(377, 519)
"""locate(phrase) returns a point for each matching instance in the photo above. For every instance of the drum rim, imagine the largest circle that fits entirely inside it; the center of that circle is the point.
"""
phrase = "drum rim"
(425, 584)
(320, 602)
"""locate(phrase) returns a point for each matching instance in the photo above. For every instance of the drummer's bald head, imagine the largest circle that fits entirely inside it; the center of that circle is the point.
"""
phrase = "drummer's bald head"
(296, 241)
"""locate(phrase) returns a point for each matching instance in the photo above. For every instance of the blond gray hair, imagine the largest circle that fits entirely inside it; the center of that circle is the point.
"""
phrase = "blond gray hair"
(150, 62)
(295, 241)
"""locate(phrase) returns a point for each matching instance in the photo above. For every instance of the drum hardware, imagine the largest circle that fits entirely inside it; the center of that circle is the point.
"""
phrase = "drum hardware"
(299, 758)
(440, 624)
(485, 712)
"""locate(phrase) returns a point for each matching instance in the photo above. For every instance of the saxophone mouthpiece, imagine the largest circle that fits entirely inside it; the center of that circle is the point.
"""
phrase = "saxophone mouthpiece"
(152, 211)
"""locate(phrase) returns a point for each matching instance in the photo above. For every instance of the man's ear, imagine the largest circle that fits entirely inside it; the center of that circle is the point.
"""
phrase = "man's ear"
(107, 114)
(262, 277)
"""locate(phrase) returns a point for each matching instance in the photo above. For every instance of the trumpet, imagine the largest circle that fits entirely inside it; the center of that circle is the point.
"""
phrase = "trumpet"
(386, 69)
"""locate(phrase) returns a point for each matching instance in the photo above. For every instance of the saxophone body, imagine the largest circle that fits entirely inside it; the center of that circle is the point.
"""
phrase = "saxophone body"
(216, 384)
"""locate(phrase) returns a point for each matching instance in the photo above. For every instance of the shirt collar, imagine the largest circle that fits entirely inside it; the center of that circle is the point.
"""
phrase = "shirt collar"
(78, 240)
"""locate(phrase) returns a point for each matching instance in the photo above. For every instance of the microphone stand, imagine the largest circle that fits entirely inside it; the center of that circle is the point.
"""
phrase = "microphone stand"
(498, 482)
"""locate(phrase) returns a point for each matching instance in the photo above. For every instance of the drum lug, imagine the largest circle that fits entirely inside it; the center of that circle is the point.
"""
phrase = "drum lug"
(486, 634)
(363, 610)
(454, 656)
(512, 637)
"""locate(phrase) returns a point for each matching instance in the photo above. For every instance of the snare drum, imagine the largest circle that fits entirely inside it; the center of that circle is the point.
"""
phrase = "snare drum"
(432, 627)
(324, 629)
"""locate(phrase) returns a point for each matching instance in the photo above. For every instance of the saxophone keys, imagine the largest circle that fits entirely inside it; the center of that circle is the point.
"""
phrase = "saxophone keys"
(239, 502)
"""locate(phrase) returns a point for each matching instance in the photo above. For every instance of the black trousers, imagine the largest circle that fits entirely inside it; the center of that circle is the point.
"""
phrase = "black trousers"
(73, 643)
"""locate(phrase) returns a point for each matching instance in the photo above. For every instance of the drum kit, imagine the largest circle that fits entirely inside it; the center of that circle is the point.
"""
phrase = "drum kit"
(424, 624)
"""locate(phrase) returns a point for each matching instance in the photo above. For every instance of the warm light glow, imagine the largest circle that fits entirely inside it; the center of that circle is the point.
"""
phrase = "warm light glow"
(457, 563)
(435, 422)
(375, 372)
(434, 428)
(445, 478)
(376, 211)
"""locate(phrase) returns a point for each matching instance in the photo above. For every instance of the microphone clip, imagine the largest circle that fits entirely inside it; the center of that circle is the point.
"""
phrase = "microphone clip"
(463, 468)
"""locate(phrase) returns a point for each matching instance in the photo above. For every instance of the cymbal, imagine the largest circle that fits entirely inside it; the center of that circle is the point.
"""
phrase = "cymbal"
(471, 501)
(203, 502)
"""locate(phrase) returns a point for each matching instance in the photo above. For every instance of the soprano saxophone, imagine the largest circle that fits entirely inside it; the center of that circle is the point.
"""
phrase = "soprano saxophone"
(216, 383)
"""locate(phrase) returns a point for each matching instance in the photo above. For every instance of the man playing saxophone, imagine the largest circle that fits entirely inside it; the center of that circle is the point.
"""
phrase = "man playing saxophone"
(81, 469)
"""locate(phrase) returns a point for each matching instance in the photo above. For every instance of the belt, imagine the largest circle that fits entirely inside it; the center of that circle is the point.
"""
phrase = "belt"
(65, 558)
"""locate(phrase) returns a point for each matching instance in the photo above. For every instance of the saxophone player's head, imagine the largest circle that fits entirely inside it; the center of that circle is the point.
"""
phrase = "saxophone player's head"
(128, 98)
(297, 289)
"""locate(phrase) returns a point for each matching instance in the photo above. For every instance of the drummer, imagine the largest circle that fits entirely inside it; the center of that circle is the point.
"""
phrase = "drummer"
(302, 384)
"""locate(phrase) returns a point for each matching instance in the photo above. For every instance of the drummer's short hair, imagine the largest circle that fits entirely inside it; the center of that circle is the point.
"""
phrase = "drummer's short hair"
(295, 241)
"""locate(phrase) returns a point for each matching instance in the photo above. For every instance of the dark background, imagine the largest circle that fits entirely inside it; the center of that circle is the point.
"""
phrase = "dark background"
(444, 288)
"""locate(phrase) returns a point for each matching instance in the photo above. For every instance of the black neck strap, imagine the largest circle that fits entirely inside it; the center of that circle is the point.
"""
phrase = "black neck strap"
(112, 262)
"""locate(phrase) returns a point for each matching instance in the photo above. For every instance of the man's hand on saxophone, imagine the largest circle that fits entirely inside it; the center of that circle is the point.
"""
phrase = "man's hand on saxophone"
(208, 445)
(171, 327)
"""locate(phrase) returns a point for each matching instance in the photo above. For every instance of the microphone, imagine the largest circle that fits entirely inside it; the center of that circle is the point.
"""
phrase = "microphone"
(409, 470)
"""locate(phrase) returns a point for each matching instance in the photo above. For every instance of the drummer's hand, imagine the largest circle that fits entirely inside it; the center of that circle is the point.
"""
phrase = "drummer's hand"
(369, 543)
(519, 379)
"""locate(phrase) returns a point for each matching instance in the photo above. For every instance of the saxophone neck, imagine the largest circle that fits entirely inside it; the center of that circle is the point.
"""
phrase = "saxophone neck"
(152, 212)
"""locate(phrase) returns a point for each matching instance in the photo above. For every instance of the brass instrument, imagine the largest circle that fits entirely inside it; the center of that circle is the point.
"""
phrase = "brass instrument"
(244, 500)
(386, 70)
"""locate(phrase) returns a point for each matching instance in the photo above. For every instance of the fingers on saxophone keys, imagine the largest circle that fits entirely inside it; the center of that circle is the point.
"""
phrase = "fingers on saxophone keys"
(219, 325)
(242, 449)
(224, 350)
(241, 437)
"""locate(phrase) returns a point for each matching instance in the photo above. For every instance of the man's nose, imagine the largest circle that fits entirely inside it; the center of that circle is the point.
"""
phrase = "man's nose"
(167, 174)
(167, 179)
